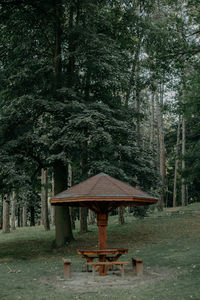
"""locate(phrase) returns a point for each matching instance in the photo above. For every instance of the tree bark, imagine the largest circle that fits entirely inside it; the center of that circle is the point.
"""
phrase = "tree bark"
(32, 216)
(53, 215)
(6, 215)
(121, 215)
(52, 207)
(83, 219)
(18, 215)
(13, 202)
(1, 217)
(137, 105)
(21, 216)
(24, 215)
(62, 217)
(161, 151)
(152, 123)
(91, 217)
(70, 181)
(44, 199)
(83, 210)
(183, 189)
(176, 165)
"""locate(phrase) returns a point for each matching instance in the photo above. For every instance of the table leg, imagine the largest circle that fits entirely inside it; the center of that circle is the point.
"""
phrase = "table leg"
(102, 269)
(88, 259)
(113, 259)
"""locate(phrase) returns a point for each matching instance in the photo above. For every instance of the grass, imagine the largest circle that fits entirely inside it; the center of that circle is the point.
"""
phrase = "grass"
(169, 244)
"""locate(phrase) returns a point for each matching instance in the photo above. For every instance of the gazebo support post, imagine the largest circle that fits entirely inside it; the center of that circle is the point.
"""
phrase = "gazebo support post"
(102, 223)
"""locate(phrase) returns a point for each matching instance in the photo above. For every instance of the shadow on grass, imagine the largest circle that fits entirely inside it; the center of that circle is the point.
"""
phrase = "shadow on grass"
(24, 250)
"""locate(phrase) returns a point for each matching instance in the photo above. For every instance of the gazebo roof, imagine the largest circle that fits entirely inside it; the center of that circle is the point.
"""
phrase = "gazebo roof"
(102, 192)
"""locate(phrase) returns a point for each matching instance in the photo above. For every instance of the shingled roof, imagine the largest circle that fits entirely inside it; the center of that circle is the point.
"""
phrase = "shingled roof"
(102, 188)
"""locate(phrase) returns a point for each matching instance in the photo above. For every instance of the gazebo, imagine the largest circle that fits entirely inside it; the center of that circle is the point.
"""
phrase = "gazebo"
(102, 194)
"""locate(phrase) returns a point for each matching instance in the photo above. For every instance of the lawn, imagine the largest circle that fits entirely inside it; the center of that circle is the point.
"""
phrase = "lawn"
(168, 242)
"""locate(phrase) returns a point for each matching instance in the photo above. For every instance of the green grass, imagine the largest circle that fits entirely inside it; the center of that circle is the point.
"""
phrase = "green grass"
(169, 244)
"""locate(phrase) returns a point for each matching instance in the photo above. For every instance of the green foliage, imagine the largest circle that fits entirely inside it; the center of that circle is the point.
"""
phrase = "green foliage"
(192, 115)
(40, 125)
(140, 211)
(70, 89)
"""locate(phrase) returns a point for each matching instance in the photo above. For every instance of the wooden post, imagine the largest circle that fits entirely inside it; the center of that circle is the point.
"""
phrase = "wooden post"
(67, 268)
(137, 265)
(102, 223)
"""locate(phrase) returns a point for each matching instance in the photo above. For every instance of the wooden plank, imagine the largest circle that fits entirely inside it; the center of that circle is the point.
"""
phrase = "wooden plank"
(95, 266)
(102, 251)
(108, 263)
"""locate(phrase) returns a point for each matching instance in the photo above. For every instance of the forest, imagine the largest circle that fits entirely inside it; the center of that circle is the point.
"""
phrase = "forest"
(90, 86)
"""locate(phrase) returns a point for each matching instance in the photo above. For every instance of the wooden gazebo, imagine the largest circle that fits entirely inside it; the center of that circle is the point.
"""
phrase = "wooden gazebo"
(102, 194)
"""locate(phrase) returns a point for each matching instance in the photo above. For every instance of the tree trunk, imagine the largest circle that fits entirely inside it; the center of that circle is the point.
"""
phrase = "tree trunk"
(161, 151)
(21, 216)
(121, 215)
(91, 217)
(72, 217)
(83, 219)
(44, 199)
(32, 216)
(183, 189)
(70, 181)
(24, 215)
(13, 227)
(137, 94)
(176, 165)
(53, 215)
(52, 207)
(134, 70)
(152, 123)
(6, 215)
(1, 217)
(137, 106)
(62, 216)
(18, 216)
(83, 210)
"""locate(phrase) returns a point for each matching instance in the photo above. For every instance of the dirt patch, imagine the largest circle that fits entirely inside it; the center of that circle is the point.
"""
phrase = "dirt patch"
(85, 282)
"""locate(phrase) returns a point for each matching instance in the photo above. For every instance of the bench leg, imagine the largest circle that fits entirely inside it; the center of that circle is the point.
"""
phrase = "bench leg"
(67, 270)
(94, 269)
(121, 267)
(139, 268)
(122, 271)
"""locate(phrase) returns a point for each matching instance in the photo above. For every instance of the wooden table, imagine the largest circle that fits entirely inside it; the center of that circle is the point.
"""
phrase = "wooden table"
(103, 255)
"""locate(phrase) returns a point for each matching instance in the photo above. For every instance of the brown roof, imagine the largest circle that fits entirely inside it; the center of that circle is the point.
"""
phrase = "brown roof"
(105, 189)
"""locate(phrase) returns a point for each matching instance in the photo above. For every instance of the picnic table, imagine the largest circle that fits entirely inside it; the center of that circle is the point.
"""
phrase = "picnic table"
(106, 258)
(102, 194)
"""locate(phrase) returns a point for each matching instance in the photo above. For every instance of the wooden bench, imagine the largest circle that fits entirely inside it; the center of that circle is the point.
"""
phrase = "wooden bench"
(89, 259)
(137, 265)
(67, 268)
(109, 264)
